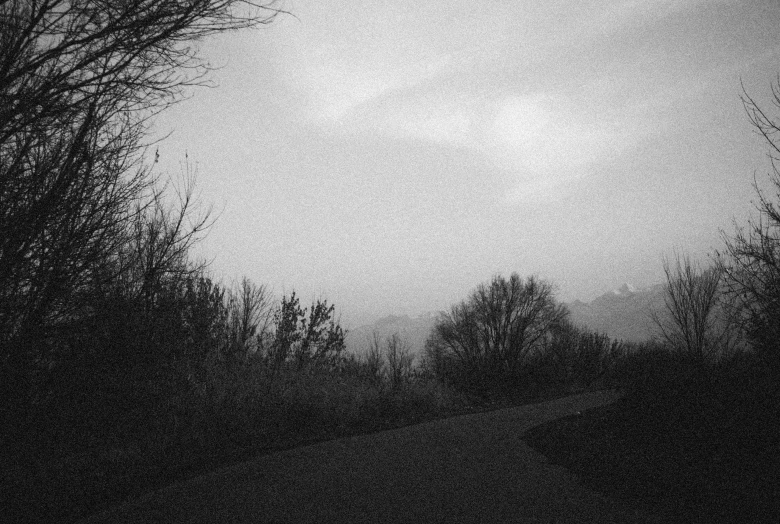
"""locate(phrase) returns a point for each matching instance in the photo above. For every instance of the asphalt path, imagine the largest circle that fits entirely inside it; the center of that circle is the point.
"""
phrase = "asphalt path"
(470, 468)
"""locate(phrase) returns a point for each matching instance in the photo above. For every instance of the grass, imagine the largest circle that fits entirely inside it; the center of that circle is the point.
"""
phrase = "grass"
(245, 416)
(688, 446)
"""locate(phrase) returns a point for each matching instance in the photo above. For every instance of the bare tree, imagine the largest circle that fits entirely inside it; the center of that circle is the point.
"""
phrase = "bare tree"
(79, 81)
(250, 309)
(160, 238)
(499, 325)
(399, 357)
(752, 255)
(695, 319)
(375, 364)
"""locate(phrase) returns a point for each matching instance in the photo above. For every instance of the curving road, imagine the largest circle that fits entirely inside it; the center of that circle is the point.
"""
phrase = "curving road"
(471, 468)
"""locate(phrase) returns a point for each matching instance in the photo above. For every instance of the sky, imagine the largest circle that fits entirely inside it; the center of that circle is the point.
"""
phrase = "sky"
(391, 156)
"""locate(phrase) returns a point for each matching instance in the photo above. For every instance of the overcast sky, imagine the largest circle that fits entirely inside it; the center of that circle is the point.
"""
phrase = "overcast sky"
(390, 156)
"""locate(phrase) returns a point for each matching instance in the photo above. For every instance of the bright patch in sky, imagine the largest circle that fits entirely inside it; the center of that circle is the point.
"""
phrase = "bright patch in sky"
(392, 155)
(422, 72)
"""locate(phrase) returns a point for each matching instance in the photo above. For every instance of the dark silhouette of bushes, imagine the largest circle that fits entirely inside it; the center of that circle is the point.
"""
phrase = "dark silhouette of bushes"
(390, 360)
(511, 337)
(751, 258)
(79, 84)
(574, 356)
(490, 335)
(176, 380)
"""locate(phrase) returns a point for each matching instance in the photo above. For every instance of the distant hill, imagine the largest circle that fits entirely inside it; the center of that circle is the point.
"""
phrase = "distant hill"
(414, 330)
(623, 313)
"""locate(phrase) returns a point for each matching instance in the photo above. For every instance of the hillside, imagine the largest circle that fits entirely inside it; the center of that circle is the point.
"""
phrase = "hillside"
(413, 330)
(623, 313)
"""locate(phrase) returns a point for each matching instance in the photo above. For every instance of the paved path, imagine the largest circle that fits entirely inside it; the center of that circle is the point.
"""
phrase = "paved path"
(471, 468)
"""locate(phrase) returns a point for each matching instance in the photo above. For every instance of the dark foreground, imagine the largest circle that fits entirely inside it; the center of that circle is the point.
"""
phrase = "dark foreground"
(701, 454)
(472, 468)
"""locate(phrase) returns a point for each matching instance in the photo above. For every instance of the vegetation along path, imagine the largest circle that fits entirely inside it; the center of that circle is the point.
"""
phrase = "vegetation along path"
(470, 468)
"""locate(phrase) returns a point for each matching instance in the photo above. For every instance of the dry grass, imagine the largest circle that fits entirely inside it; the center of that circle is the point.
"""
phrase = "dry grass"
(232, 415)
(238, 417)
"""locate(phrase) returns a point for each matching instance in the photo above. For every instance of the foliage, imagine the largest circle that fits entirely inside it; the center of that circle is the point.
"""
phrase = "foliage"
(574, 355)
(318, 339)
(83, 224)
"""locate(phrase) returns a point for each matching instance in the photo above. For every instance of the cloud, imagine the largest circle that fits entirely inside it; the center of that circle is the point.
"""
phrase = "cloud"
(497, 86)
(531, 133)
(430, 113)
(543, 140)
(354, 54)
(628, 14)
(548, 143)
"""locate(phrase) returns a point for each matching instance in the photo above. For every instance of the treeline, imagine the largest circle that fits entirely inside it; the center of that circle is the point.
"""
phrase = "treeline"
(511, 335)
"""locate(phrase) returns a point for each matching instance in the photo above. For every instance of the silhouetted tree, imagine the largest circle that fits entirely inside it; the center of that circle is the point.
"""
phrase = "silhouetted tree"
(499, 325)
(250, 308)
(399, 357)
(79, 81)
(318, 339)
(560, 351)
(752, 256)
(695, 318)
(575, 356)
(323, 337)
(375, 364)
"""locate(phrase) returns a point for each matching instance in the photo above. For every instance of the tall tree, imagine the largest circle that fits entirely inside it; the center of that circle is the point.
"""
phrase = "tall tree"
(752, 254)
(79, 81)
(498, 326)
(695, 319)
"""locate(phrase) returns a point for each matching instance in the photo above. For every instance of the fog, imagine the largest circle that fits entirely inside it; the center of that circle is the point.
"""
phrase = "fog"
(390, 157)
